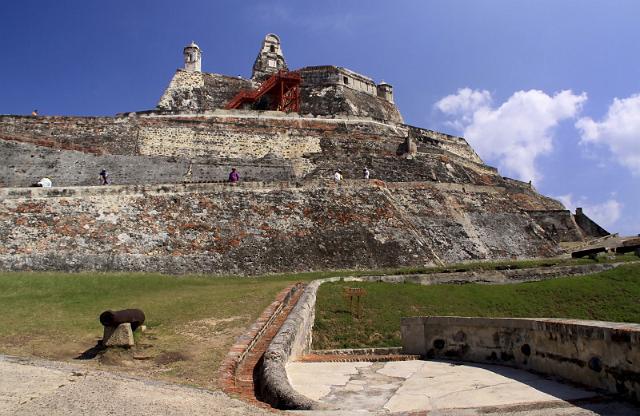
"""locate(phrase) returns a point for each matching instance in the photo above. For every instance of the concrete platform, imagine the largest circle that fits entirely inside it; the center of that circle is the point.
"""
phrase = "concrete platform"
(435, 387)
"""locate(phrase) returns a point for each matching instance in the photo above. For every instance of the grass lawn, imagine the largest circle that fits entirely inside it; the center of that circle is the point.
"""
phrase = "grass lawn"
(192, 320)
(609, 296)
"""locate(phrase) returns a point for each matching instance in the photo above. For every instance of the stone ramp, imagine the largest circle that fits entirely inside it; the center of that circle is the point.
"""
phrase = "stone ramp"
(442, 388)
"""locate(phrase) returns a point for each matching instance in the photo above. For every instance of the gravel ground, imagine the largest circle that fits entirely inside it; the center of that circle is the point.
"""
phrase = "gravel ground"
(39, 387)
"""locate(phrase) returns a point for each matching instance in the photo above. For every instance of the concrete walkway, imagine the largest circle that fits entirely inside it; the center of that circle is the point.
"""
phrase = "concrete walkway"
(39, 387)
(432, 387)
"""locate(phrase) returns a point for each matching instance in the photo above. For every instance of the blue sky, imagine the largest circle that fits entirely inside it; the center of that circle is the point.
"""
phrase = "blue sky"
(546, 90)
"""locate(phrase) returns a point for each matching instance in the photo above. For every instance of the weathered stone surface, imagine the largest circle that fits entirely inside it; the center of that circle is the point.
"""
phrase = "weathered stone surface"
(200, 91)
(602, 355)
(261, 228)
(272, 146)
(119, 336)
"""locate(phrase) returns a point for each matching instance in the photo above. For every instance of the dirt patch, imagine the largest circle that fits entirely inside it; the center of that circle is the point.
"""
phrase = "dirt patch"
(211, 329)
(170, 357)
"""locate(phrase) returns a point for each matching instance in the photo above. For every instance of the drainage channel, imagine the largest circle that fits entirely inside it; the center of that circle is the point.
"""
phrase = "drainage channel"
(238, 370)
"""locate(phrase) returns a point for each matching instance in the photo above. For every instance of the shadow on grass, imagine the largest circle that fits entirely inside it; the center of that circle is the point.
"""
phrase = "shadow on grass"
(92, 352)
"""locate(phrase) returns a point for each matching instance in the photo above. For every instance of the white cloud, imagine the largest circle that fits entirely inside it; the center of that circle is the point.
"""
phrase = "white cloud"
(463, 105)
(619, 130)
(606, 214)
(515, 133)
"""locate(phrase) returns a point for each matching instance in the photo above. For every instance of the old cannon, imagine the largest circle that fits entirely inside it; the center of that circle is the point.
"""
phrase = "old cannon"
(110, 318)
(119, 327)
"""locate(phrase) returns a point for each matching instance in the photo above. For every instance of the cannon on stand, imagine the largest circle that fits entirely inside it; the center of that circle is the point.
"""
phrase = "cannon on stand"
(119, 326)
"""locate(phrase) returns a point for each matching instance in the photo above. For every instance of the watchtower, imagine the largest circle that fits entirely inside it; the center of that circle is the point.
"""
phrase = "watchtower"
(270, 59)
(192, 58)
(385, 91)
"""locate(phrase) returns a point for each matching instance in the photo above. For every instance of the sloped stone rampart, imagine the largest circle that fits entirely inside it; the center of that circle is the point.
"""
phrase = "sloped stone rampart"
(262, 228)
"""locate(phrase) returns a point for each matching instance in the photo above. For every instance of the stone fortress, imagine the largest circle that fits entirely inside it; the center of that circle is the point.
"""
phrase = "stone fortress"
(430, 200)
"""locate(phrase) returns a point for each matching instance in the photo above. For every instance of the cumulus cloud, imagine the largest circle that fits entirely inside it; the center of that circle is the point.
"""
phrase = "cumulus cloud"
(514, 133)
(606, 214)
(619, 130)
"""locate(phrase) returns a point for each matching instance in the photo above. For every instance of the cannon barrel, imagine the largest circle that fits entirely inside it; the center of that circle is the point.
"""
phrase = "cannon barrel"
(135, 317)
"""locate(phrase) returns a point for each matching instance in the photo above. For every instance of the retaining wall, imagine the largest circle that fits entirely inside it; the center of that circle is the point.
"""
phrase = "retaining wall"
(603, 355)
(257, 228)
(155, 148)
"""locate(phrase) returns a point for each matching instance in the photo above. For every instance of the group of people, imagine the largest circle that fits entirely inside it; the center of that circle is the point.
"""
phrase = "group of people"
(337, 176)
(234, 177)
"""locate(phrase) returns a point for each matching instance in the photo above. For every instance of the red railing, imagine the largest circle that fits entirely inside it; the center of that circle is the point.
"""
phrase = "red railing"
(283, 88)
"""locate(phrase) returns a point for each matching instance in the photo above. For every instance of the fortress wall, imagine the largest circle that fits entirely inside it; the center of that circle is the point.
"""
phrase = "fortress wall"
(453, 144)
(200, 91)
(24, 164)
(226, 229)
(265, 146)
(559, 224)
(322, 93)
(96, 135)
(341, 101)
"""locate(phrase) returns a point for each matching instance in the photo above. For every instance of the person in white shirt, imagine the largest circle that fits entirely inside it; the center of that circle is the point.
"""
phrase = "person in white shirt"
(45, 183)
(365, 173)
(337, 176)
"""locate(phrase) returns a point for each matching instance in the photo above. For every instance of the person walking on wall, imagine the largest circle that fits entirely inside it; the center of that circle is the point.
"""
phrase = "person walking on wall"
(337, 177)
(365, 173)
(234, 176)
(104, 176)
(34, 113)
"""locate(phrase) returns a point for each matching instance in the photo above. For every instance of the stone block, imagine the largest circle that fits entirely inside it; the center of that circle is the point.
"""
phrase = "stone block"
(120, 336)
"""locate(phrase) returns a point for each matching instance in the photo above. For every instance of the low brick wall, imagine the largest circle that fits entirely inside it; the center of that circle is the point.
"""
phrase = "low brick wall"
(602, 355)
(245, 343)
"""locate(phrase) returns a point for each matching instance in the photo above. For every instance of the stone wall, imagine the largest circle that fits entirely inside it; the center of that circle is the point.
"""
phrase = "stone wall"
(200, 91)
(323, 93)
(152, 148)
(588, 226)
(559, 224)
(602, 355)
(261, 228)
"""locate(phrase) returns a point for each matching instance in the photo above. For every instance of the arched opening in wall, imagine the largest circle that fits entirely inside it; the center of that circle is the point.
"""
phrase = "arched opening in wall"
(272, 48)
(346, 80)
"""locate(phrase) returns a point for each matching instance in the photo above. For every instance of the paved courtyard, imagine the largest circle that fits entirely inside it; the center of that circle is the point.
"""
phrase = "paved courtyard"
(434, 387)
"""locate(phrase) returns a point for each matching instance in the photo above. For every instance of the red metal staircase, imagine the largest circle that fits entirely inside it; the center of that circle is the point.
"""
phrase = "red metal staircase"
(282, 90)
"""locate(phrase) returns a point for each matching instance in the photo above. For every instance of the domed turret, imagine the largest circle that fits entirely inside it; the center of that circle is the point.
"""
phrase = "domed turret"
(192, 58)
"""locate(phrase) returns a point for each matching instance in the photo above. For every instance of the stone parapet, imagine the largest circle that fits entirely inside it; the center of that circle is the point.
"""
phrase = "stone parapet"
(602, 355)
